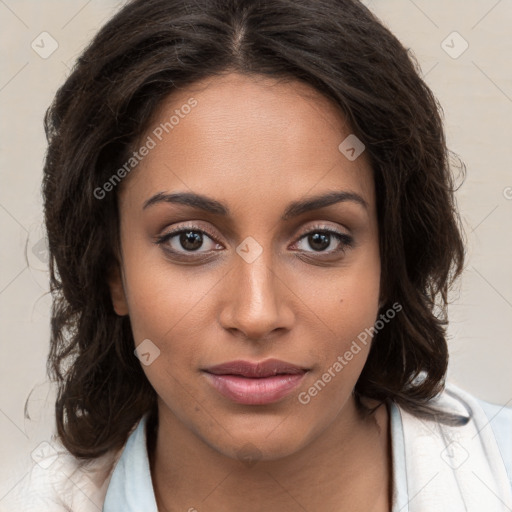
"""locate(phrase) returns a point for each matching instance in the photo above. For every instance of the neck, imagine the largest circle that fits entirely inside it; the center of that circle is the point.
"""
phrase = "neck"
(347, 466)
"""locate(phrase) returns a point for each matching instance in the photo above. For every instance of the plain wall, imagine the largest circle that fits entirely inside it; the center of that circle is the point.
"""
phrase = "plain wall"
(474, 88)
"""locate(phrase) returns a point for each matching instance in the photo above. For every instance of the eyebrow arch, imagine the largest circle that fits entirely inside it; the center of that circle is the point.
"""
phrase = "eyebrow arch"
(293, 210)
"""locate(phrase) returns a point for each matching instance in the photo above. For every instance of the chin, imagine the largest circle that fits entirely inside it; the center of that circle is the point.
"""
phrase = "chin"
(260, 444)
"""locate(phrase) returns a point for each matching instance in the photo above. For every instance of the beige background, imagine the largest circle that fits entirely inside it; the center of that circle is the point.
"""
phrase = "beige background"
(475, 90)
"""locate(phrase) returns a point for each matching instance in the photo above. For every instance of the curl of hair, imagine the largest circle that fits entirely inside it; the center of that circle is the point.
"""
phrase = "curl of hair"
(151, 48)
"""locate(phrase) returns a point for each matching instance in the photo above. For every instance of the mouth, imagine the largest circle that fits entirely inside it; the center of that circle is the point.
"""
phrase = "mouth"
(255, 383)
(267, 368)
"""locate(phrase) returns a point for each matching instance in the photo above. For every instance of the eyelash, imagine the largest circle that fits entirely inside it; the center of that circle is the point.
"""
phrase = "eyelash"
(346, 241)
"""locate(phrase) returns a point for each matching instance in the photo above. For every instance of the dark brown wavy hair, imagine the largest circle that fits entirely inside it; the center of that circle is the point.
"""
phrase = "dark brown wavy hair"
(151, 48)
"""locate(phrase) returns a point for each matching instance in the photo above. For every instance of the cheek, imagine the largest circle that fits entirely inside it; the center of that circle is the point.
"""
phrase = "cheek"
(174, 307)
(346, 299)
(163, 297)
(169, 308)
(342, 354)
(347, 305)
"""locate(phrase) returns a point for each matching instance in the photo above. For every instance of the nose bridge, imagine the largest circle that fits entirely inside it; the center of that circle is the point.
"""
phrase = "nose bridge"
(255, 303)
(255, 274)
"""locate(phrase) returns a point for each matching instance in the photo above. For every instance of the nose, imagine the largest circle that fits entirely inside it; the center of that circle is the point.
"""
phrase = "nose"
(257, 299)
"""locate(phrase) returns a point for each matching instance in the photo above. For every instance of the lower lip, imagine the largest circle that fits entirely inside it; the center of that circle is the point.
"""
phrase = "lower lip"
(244, 390)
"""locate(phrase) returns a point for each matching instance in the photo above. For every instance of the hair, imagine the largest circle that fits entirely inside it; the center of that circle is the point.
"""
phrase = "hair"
(151, 48)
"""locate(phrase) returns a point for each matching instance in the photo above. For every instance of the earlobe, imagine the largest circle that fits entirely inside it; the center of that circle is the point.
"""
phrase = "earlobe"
(117, 293)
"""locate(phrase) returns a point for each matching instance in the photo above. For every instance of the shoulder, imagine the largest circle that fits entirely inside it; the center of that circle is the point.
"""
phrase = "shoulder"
(459, 450)
(500, 420)
(56, 481)
(483, 425)
(497, 420)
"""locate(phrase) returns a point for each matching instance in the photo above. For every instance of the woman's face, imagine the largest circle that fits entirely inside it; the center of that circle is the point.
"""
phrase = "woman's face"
(247, 282)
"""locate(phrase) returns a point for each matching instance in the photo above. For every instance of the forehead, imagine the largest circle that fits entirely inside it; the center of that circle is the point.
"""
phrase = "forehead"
(236, 136)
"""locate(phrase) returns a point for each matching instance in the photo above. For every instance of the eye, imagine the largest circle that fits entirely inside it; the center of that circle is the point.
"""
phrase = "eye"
(187, 240)
(320, 238)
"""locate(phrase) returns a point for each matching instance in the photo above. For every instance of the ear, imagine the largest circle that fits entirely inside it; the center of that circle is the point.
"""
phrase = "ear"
(117, 292)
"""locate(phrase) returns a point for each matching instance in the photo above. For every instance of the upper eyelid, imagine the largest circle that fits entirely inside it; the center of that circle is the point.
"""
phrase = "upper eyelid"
(192, 227)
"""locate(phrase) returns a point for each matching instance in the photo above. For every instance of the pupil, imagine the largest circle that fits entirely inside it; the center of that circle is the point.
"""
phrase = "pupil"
(321, 239)
(191, 240)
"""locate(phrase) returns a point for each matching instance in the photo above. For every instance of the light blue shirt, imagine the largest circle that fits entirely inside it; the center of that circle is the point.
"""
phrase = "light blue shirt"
(131, 490)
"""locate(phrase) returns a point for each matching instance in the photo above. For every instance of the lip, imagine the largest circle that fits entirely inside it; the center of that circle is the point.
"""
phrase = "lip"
(251, 383)
(267, 368)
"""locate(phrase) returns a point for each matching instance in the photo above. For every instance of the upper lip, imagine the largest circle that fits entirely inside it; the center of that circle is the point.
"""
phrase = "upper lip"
(258, 369)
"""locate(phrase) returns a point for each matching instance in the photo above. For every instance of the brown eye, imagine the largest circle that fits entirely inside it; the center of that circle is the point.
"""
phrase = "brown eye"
(190, 240)
(187, 240)
(321, 239)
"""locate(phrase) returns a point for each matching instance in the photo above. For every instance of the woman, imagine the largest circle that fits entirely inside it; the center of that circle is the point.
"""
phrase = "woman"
(253, 232)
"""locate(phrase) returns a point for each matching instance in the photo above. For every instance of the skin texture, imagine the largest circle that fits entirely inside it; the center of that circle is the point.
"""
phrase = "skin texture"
(256, 145)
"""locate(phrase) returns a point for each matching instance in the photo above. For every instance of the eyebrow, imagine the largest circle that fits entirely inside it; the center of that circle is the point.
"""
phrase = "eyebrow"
(294, 209)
